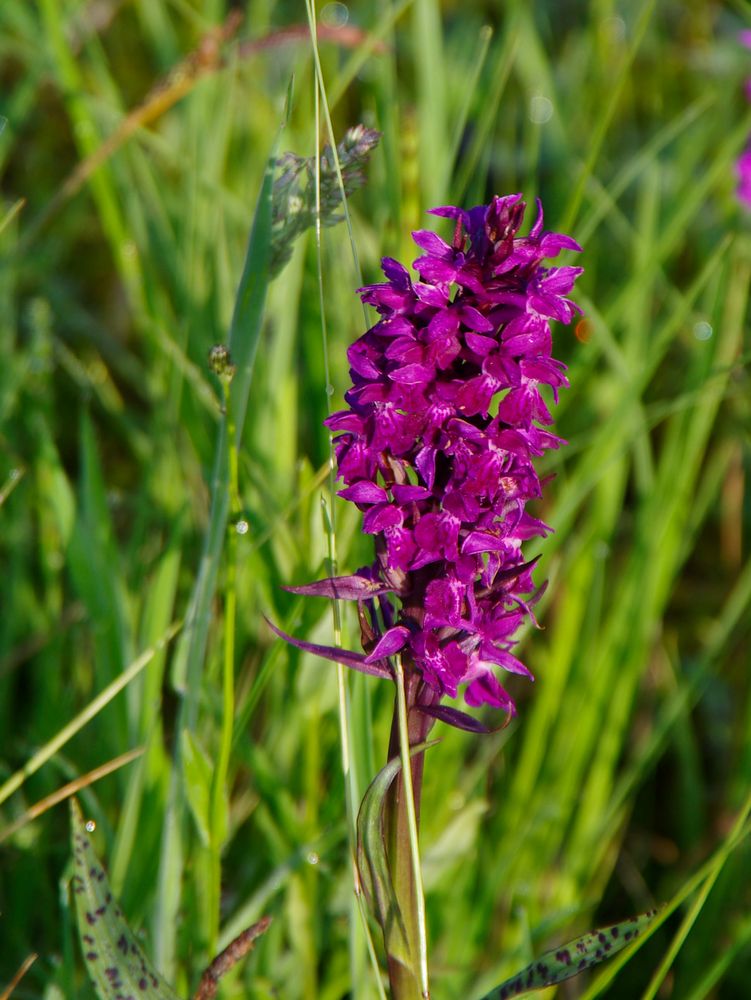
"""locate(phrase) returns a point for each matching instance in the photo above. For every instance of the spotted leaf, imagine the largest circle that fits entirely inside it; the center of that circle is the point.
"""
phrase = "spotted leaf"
(117, 967)
(576, 956)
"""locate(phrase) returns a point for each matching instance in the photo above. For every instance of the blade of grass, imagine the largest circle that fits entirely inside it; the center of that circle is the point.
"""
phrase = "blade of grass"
(388, 16)
(605, 120)
(244, 335)
(22, 970)
(709, 871)
(71, 788)
(95, 706)
(428, 54)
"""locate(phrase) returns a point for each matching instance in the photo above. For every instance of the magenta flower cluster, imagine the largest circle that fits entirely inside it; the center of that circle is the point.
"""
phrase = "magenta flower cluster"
(445, 417)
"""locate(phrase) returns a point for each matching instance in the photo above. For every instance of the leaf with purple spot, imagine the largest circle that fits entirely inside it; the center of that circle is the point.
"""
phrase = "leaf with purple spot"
(115, 962)
(570, 959)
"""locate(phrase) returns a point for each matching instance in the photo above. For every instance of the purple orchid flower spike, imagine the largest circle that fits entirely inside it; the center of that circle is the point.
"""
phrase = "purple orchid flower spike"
(444, 418)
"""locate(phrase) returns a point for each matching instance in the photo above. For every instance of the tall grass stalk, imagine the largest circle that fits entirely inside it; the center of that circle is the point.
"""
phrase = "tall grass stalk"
(360, 936)
(242, 343)
(417, 937)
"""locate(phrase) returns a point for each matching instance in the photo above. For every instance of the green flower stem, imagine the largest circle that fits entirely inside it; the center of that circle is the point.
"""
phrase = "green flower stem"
(407, 949)
(219, 796)
(360, 932)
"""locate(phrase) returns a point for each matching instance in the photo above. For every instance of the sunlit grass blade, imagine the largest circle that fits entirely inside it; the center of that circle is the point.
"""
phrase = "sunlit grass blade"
(50, 748)
(22, 970)
(179, 83)
(740, 938)
(594, 145)
(701, 882)
(428, 49)
(244, 335)
(39, 808)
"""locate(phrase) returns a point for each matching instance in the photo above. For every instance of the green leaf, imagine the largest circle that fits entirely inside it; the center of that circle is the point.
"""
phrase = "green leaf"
(115, 962)
(372, 861)
(198, 773)
(572, 958)
(245, 332)
(244, 336)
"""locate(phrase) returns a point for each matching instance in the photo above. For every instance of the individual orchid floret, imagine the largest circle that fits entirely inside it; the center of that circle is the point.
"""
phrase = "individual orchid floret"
(446, 413)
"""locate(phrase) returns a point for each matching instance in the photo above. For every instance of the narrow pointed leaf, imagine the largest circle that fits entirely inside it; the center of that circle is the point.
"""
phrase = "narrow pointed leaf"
(356, 661)
(372, 862)
(244, 336)
(454, 717)
(570, 959)
(342, 588)
(116, 965)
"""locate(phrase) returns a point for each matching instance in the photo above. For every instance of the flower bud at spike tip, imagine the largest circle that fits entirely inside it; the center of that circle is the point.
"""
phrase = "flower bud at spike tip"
(444, 418)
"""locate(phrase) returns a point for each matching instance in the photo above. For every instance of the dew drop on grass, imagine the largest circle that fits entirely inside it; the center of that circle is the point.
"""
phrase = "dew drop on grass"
(615, 28)
(313, 858)
(242, 527)
(329, 390)
(540, 109)
(335, 15)
(89, 826)
(14, 474)
(702, 330)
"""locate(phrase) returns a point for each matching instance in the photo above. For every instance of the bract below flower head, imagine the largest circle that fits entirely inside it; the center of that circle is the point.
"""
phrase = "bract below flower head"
(444, 416)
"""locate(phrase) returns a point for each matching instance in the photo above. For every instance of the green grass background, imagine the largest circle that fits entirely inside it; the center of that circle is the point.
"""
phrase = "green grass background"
(631, 756)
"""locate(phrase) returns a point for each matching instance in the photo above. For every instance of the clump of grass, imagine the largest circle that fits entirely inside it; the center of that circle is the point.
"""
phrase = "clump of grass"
(618, 780)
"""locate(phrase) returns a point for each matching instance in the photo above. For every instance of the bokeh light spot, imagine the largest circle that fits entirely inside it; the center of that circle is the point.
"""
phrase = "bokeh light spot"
(583, 331)
(335, 15)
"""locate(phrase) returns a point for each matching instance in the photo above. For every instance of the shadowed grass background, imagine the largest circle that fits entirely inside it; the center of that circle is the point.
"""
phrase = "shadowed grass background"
(632, 751)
